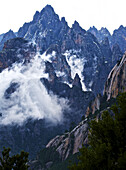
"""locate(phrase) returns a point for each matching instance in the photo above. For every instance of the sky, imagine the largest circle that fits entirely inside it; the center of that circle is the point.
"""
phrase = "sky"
(99, 13)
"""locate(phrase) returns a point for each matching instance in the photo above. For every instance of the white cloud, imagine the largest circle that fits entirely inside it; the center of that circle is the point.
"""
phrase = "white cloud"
(76, 65)
(30, 100)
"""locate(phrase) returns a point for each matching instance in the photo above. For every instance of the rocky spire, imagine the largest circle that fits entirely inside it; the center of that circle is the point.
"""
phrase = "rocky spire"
(7, 36)
(76, 81)
(77, 27)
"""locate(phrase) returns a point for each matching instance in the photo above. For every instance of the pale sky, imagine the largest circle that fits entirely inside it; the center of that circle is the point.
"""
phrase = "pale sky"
(99, 13)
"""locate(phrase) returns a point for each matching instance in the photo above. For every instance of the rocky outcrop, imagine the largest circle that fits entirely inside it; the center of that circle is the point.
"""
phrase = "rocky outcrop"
(75, 54)
(70, 44)
(70, 143)
(16, 50)
(50, 70)
(119, 37)
(100, 34)
(78, 100)
(94, 49)
(76, 82)
(7, 36)
(116, 81)
(94, 106)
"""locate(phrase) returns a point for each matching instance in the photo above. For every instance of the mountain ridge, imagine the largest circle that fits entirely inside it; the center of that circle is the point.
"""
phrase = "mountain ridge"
(76, 64)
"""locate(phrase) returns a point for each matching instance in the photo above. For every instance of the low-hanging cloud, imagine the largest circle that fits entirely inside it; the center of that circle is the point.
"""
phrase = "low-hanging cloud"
(30, 98)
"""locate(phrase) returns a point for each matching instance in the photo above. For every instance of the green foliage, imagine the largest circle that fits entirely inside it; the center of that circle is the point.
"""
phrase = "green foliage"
(107, 141)
(63, 165)
(15, 162)
(83, 117)
(48, 155)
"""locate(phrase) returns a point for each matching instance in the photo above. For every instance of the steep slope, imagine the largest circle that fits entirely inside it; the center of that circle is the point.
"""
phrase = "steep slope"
(30, 113)
(74, 47)
(75, 50)
(70, 142)
(47, 72)
(116, 81)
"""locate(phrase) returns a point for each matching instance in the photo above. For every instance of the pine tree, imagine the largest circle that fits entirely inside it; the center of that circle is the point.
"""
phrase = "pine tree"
(15, 162)
(107, 141)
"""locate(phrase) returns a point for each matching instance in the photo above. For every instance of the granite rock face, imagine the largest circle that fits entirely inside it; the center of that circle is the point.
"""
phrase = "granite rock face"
(116, 81)
(94, 106)
(70, 142)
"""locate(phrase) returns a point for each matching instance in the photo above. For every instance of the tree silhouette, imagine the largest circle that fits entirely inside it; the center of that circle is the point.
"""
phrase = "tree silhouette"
(107, 141)
(15, 162)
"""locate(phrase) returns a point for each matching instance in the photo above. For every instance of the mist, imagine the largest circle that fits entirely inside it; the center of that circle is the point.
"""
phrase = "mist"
(30, 98)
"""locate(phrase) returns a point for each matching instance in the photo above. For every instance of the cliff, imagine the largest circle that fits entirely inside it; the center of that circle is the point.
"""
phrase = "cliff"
(70, 142)
(116, 81)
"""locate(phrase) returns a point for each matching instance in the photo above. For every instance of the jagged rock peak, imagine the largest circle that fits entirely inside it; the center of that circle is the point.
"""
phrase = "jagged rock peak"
(36, 16)
(77, 27)
(7, 36)
(10, 31)
(76, 81)
(121, 27)
(104, 29)
(63, 20)
(92, 29)
(48, 8)
(10, 34)
(75, 24)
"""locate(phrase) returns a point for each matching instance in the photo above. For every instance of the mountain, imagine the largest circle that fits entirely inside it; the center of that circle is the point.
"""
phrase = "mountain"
(118, 37)
(69, 143)
(49, 75)
(100, 34)
(35, 107)
(78, 49)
